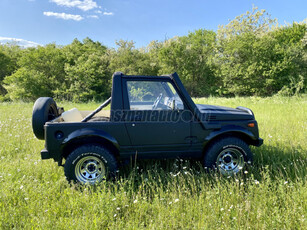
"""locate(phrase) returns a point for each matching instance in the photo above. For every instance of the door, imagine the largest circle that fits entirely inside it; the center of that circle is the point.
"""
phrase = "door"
(156, 120)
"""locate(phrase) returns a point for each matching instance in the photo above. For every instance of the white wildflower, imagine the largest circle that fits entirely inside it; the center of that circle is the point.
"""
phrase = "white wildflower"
(174, 175)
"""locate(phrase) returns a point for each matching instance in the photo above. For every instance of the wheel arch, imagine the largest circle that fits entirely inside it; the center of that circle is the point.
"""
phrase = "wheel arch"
(89, 136)
(244, 135)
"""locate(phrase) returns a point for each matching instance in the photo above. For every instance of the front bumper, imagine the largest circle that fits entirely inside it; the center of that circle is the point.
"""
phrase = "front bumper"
(258, 142)
(45, 154)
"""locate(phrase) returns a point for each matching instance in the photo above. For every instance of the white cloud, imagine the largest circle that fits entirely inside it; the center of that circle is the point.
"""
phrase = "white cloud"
(108, 13)
(93, 16)
(18, 41)
(104, 13)
(64, 16)
(84, 5)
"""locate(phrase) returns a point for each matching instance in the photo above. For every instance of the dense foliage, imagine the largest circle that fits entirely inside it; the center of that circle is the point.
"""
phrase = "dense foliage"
(251, 55)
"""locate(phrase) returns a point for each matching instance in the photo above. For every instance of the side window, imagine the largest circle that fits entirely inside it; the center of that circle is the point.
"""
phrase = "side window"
(153, 95)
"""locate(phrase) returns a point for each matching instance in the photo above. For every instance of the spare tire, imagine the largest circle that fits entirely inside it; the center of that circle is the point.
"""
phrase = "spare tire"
(44, 109)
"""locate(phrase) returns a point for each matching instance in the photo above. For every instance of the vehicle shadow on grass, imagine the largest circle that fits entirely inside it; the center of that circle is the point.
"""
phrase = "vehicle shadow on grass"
(277, 163)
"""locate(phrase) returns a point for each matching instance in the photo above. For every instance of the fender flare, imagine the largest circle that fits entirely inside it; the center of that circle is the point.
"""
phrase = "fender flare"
(230, 129)
(89, 133)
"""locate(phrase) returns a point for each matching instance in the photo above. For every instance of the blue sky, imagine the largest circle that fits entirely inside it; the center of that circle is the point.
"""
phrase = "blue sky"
(60, 21)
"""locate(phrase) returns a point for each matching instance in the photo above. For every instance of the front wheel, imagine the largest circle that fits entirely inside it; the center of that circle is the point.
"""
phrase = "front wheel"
(90, 164)
(229, 156)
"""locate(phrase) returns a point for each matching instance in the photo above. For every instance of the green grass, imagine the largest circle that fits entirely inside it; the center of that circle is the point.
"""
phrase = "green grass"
(172, 194)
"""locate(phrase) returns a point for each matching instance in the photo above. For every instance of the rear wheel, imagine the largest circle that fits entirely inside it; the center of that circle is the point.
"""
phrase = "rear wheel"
(90, 164)
(229, 156)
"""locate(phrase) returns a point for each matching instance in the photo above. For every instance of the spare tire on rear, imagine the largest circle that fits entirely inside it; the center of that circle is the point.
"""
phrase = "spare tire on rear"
(44, 109)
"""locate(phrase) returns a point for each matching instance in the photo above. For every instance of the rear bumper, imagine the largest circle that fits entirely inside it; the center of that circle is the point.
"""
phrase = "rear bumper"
(258, 142)
(45, 154)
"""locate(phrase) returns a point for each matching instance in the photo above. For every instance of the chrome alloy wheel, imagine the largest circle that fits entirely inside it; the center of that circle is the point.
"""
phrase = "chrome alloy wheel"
(90, 169)
(230, 161)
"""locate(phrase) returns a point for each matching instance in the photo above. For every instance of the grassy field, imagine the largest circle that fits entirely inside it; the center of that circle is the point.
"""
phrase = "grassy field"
(172, 194)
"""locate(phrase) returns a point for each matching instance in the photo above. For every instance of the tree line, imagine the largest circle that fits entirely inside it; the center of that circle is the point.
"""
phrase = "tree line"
(251, 55)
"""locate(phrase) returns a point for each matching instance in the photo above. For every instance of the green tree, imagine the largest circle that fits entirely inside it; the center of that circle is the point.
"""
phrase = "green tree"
(9, 55)
(192, 57)
(5, 69)
(42, 65)
(129, 60)
(292, 40)
(258, 58)
(87, 71)
(26, 84)
(243, 54)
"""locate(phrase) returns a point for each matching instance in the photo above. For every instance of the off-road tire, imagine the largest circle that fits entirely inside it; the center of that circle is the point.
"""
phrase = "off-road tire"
(228, 156)
(90, 164)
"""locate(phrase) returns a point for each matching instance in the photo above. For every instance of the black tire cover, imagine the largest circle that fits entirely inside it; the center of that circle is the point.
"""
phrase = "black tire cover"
(44, 109)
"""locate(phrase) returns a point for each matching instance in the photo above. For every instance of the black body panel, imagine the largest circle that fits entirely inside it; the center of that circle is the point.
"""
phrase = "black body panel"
(221, 113)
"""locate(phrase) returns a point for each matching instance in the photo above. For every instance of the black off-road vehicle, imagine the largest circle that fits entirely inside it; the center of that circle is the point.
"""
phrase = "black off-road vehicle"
(149, 117)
